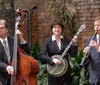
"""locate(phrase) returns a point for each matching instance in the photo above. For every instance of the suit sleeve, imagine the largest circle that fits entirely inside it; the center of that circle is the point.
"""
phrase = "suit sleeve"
(43, 54)
(3, 67)
(73, 50)
(25, 47)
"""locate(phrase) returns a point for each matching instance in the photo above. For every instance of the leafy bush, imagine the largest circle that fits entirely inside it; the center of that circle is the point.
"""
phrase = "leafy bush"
(79, 75)
(42, 77)
(35, 50)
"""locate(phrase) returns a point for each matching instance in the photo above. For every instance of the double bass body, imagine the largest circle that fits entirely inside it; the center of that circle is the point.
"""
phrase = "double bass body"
(27, 70)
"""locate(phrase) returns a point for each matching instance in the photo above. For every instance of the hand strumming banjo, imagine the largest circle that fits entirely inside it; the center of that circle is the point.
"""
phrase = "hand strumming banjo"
(59, 70)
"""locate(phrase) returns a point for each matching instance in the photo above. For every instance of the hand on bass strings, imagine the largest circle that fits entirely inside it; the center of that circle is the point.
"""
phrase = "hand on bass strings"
(20, 36)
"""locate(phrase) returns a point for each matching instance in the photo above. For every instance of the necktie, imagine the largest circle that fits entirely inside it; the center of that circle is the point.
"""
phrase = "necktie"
(6, 49)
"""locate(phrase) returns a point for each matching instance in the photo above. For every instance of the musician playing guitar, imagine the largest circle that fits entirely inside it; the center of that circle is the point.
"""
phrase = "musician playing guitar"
(55, 45)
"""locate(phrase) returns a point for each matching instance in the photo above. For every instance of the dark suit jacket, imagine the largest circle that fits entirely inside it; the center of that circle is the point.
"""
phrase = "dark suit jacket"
(3, 59)
(94, 60)
(50, 48)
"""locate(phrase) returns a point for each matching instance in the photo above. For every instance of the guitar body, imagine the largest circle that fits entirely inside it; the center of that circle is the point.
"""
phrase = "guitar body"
(58, 70)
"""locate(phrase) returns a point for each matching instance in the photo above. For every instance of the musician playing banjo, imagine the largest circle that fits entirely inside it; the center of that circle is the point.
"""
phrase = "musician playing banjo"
(55, 45)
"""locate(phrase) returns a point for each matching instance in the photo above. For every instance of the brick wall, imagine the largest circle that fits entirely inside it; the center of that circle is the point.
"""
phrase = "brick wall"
(41, 18)
(87, 11)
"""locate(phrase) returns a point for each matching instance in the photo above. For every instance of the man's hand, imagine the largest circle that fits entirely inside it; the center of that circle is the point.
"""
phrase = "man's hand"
(20, 37)
(86, 50)
(10, 70)
(94, 44)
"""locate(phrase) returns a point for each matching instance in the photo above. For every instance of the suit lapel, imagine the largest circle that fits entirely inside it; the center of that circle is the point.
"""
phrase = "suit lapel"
(55, 45)
(62, 44)
(2, 48)
(10, 43)
(98, 54)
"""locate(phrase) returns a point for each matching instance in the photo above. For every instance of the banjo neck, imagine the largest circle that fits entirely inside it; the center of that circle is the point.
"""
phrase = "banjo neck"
(71, 42)
(66, 49)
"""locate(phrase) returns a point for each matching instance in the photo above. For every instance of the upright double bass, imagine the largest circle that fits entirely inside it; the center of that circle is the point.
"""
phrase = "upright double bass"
(25, 67)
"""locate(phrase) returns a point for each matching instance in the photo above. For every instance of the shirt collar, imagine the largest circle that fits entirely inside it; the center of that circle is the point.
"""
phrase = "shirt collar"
(3, 39)
(98, 36)
(53, 37)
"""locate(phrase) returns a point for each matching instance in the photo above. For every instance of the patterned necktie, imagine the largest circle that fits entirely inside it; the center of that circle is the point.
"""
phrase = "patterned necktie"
(6, 49)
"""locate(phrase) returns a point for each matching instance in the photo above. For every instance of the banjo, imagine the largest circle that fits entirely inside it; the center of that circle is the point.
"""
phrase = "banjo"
(58, 70)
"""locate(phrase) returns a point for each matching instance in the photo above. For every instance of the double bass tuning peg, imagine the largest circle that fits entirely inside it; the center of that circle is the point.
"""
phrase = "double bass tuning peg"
(20, 12)
(20, 17)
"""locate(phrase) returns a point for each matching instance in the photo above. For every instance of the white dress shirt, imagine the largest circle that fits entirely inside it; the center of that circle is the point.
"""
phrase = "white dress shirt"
(98, 36)
(58, 42)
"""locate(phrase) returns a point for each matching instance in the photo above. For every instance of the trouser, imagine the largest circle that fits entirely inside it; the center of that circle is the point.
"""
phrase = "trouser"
(9, 80)
(59, 80)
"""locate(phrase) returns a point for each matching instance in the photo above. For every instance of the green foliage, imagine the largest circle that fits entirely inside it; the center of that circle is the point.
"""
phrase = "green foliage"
(35, 50)
(79, 75)
(42, 77)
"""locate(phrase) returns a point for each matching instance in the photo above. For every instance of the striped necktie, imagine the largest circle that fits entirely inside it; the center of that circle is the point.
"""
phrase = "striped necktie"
(6, 49)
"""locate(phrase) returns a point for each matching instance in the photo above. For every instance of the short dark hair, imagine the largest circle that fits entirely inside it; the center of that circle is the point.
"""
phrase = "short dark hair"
(56, 22)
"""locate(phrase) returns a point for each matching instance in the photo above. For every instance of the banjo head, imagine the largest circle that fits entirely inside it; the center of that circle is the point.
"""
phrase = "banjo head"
(58, 70)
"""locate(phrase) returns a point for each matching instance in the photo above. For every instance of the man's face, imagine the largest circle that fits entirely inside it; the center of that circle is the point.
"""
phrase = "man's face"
(97, 26)
(3, 30)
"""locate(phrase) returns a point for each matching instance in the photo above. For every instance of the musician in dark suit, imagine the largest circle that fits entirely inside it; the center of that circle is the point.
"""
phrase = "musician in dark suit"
(5, 69)
(55, 45)
(93, 50)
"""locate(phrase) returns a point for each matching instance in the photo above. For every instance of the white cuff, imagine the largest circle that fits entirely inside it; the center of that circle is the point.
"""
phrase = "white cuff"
(98, 49)
(24, 42)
